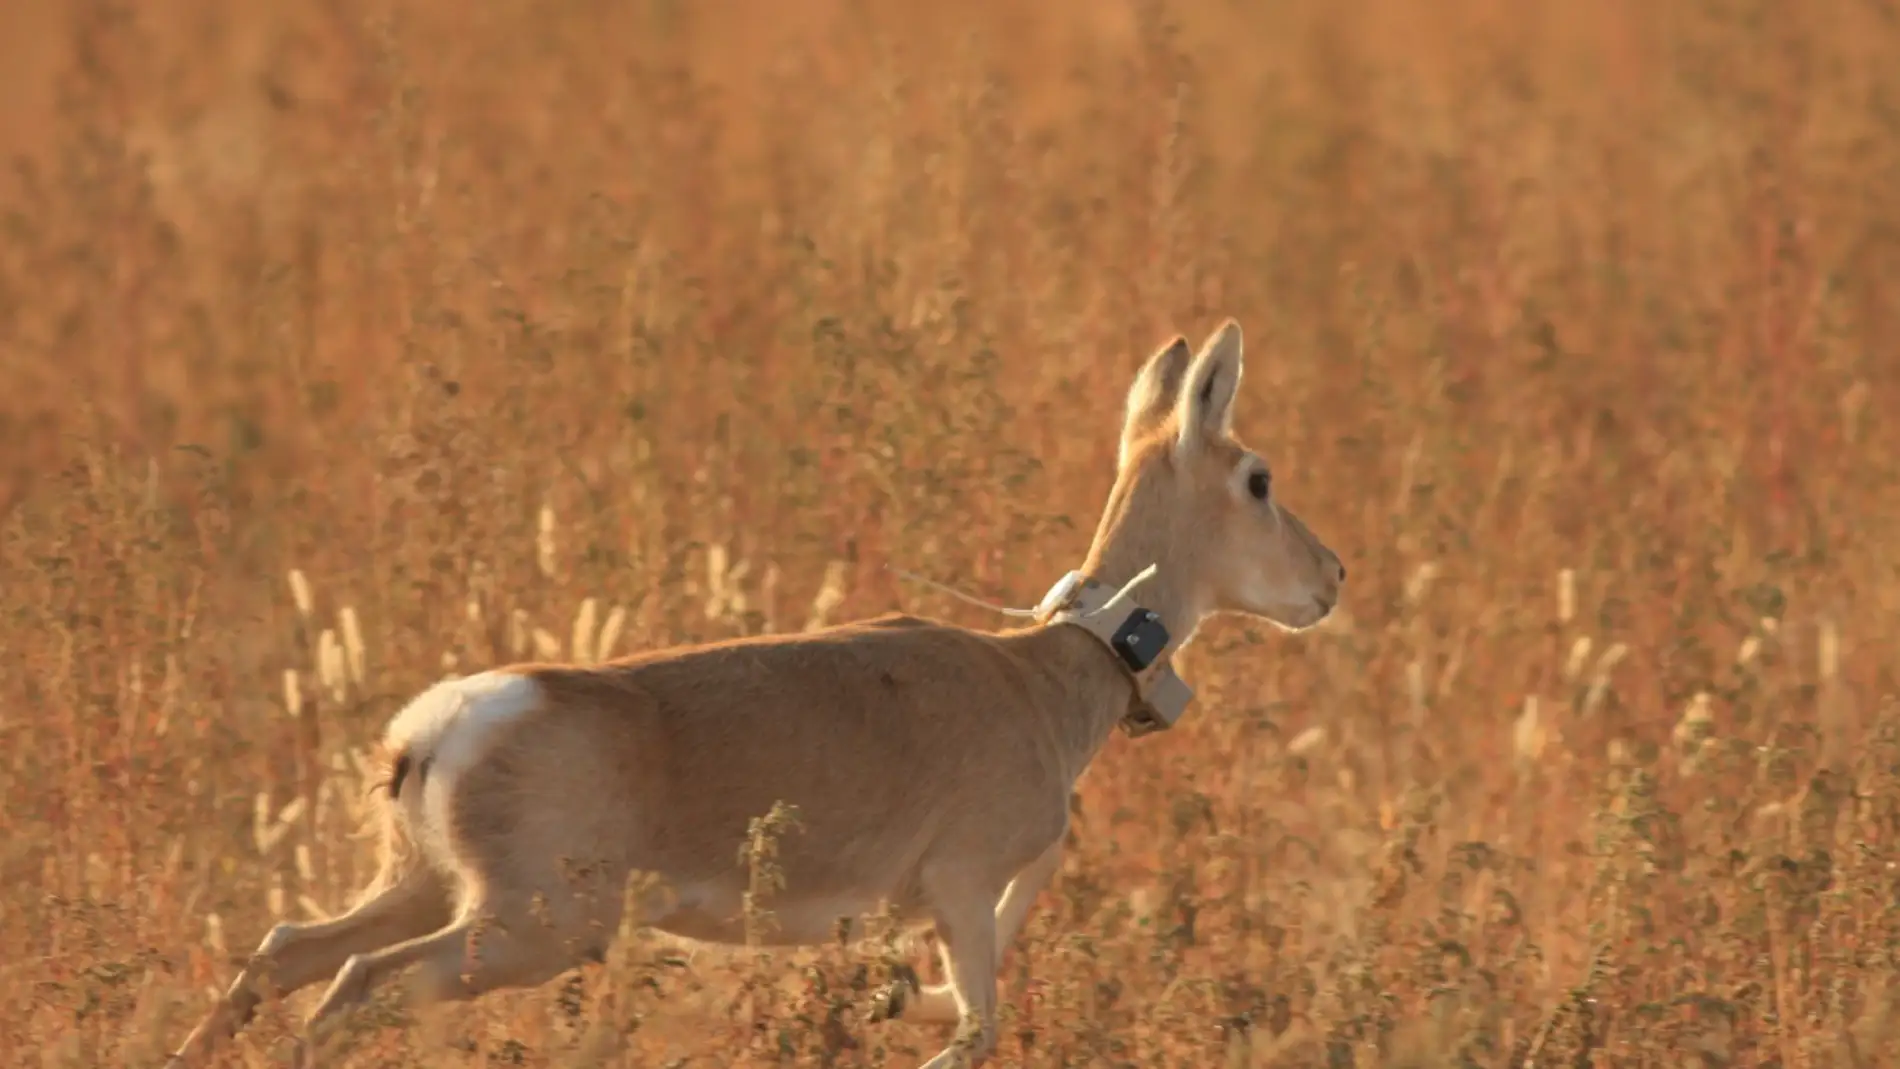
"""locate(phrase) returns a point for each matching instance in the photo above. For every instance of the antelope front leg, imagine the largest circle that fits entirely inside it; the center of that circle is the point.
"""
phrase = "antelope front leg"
(937, 1004)
(966, 930)
(1021, 894)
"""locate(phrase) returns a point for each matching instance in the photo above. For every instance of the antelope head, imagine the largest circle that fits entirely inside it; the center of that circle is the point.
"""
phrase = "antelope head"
(1195, 500)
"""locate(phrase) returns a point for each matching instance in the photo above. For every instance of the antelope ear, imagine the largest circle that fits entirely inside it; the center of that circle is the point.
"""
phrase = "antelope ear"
(1153, 396)
(1206, 404)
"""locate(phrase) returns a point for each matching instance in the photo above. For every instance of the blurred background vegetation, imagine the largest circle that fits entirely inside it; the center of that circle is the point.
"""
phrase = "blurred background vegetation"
(573, 329)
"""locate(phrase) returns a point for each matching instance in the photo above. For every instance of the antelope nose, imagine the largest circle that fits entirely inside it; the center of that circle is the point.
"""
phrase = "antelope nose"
(1342, 572)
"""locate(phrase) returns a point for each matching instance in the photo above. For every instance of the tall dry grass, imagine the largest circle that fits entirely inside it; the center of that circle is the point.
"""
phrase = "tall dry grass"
(347, 345)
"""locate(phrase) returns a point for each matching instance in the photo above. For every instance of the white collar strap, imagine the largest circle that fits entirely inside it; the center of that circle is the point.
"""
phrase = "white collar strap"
(1136, 636)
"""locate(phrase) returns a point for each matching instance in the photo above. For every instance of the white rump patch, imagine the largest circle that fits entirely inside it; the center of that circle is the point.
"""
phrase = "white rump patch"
(447, 728)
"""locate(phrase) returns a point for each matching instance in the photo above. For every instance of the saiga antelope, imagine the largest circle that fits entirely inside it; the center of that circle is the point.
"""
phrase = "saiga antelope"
(930, 765)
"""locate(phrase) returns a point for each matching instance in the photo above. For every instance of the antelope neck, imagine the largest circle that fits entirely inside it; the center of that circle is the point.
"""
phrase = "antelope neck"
(1137, 637)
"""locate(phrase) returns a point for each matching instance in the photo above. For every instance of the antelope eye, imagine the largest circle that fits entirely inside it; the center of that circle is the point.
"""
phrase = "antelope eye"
(1259, 484)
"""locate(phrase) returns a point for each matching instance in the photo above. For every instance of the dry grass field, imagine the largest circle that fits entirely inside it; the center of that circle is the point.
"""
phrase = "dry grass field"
(347, 345)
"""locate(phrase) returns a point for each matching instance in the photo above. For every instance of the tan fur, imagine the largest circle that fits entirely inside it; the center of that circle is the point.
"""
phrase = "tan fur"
(930, 765)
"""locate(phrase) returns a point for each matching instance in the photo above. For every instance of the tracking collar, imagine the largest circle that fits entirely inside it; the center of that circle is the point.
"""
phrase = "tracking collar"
(1136, 636)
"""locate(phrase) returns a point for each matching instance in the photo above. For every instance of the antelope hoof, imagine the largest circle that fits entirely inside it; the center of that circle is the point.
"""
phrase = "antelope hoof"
(888, 1003)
